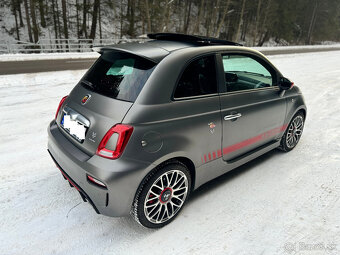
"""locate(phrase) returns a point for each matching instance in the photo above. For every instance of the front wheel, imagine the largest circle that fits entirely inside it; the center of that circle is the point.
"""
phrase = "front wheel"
(293, 133)
(162, 195)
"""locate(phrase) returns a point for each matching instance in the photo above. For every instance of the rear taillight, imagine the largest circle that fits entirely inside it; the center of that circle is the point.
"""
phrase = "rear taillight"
(113, 143)
(60, 104)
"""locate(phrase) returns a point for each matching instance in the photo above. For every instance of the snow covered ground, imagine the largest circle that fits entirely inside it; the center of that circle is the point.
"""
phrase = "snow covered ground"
(281, 203)
(82, 55)
(47, 56)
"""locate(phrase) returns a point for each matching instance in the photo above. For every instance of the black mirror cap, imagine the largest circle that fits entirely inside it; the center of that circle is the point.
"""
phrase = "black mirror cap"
(285, 84)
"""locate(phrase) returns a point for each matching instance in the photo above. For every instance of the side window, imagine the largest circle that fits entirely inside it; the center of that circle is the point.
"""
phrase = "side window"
(244, 73)
(199, 78)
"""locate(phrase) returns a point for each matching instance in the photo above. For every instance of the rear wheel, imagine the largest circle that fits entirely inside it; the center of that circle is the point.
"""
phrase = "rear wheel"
(162, 195)
(293, 133)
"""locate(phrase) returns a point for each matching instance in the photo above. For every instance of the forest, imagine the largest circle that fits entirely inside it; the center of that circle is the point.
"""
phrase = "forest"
(251, 22)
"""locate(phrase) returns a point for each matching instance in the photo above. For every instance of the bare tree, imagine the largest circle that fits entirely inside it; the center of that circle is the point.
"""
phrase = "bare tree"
(54, 20)
(238, 31)
(34, 22)
(42, 13)
(198, 18)
(84, 27)
(225, 11)
(63, 6)
(14, 11)
(18, 4)
(257, 21)
(94, 19)
(312, 22)
(77, 18)
(100, 21)
(147, 11)
(28, 21)
(188, 15)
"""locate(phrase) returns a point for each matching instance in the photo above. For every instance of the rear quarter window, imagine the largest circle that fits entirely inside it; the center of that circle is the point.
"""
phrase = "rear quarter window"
(120, 76)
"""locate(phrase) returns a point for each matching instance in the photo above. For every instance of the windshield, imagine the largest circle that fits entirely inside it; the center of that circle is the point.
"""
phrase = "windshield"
(118, 75)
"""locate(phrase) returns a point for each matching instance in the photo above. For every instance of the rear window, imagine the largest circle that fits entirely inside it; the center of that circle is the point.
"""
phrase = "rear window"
(118, 75)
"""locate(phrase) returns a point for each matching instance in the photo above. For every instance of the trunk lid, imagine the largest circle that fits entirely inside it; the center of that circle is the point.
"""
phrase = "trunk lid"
(100, 111)
(103, 97)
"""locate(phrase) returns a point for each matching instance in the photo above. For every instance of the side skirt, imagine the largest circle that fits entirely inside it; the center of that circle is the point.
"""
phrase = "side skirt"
(219, 167)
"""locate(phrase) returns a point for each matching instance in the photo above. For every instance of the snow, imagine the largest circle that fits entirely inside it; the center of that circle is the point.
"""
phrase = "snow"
(298, 47)
(82, 55)
(280, 203)
(47, 56)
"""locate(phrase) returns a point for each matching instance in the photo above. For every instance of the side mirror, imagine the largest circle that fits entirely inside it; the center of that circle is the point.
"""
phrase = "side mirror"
(285, 83)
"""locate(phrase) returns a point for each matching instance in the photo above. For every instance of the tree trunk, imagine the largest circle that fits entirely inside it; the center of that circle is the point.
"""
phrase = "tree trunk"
(265, 34)
(42, 13)
(28, 21)
(77, 17)
(199, 18)
(187, 22)
(209, 17)
(222, 19)
(84, 28)
(18, 3)
(63, 6)
(55, 23)
(34, 22)
(312, 23)
(148, 15)
(213, 18)
(238, 31)
(14, 11)
(121, 18)
(257, 21)
(58, 19)
(94, 19)
(130, 16)
(100, 23)
(166, 25)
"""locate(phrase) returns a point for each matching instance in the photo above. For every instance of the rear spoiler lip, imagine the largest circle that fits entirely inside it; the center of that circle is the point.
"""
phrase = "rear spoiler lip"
(102, 49)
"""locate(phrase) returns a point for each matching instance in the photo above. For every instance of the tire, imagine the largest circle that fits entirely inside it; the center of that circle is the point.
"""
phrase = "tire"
(293, 133)
(162, 195)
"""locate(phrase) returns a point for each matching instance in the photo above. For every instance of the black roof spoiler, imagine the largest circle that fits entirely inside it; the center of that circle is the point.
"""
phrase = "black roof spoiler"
(196, 39)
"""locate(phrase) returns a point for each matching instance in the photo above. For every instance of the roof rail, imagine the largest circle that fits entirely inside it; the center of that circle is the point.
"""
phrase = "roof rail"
(201, 40)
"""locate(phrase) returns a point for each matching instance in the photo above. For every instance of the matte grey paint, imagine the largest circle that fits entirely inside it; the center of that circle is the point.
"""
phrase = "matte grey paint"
(170, 128)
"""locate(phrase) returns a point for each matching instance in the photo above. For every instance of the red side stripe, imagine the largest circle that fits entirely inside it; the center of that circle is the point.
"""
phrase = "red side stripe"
(244, 143)
(253, 140)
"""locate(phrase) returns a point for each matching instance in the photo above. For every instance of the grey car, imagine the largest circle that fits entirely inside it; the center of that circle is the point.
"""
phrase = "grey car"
(151, 122)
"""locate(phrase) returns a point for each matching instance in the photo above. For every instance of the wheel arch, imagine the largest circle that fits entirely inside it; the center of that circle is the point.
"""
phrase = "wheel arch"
(179, 159)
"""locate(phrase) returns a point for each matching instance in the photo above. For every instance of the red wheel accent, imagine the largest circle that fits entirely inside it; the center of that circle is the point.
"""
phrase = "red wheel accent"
(160, 196)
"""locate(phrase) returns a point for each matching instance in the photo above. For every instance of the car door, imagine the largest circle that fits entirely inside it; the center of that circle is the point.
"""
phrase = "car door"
(252, 109)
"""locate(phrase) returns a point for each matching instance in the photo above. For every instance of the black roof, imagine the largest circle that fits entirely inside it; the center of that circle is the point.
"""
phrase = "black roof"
(162, 44)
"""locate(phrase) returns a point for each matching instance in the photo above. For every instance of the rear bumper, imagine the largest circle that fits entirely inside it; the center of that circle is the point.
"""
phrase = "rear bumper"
(82, 193)
(122, 176)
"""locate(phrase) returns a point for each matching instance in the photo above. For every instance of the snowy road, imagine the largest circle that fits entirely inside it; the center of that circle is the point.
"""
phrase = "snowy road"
(278, 204)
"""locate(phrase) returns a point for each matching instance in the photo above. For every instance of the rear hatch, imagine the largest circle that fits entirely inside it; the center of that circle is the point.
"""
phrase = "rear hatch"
(102, 98)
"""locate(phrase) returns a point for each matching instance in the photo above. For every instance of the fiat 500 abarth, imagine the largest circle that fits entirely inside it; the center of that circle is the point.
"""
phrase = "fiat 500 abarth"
(150, 122)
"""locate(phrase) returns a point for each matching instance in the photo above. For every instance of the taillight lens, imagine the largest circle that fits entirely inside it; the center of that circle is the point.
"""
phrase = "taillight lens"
(118, 135)
(60, 104)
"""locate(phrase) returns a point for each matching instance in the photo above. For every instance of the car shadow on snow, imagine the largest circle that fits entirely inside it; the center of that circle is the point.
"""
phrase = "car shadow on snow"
(231, 175)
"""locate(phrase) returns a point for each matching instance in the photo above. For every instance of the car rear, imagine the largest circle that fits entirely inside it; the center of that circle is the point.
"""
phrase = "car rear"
(88, 136)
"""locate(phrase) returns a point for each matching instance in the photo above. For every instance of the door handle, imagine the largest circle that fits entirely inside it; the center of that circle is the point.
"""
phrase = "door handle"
(232, 116)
